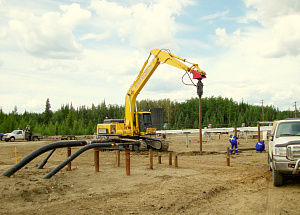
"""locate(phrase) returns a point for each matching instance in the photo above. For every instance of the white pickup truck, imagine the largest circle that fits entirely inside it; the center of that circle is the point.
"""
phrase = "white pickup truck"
(21, 135)
(284, 149)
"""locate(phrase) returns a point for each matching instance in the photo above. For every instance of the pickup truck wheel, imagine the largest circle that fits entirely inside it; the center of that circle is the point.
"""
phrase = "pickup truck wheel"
(277, 178)
(12, 139)
(35, 139)
(269, 162)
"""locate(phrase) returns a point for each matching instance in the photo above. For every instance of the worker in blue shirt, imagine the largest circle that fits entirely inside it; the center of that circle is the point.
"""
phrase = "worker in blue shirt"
(233, 141)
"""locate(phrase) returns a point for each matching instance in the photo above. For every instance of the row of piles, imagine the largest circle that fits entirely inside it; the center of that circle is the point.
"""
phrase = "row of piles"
(127, 159)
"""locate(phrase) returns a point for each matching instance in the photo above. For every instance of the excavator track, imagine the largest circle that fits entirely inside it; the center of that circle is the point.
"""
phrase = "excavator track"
(165, 145)
(156, 144)
(143, 146)
(145, 143)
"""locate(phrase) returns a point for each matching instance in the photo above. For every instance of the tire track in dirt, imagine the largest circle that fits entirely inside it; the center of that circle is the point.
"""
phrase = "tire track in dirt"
(271, 199)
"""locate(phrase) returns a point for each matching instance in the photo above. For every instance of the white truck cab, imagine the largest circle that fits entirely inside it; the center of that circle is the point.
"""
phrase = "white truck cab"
(284, 149)
(14, 135)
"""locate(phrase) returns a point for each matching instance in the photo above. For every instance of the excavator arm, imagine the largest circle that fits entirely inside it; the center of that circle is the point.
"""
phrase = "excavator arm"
(160, 56)
(173, 60)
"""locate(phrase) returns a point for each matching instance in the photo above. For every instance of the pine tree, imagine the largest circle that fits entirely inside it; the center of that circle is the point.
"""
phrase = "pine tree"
(71, 118)
(48, 113)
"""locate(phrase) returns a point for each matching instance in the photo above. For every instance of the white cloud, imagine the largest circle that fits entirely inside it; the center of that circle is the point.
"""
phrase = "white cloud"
(268, 11)
(214, 16)
(71, 54)
(280, 35)
(110, 10)
(284, 38)
(3, 33)
(145, 26)
(73, 15)
(227, 40)
(95, 36)
(49, 35)
(33, 104)
(101, 74)
(241, 73)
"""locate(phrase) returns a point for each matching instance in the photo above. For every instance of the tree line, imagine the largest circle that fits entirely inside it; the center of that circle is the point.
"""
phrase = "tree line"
(218, 111)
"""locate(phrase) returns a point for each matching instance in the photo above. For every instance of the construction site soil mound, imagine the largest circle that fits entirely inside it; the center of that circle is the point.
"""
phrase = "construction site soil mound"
(201, 184)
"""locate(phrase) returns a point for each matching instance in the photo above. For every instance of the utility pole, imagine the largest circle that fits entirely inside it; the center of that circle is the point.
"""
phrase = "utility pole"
(200, 93)
(262, 106)
(296, 110)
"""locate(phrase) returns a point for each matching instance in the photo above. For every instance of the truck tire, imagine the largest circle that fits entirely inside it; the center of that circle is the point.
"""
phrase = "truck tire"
(35, 139)
(277, 178)
(269, 162)
(12, 139)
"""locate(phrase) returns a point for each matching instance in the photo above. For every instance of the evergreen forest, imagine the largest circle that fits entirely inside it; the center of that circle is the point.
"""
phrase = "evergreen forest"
(218, 111)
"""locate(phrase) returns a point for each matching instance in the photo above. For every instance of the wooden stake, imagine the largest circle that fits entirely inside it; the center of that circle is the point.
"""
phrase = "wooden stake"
(69, 154)
(228, 157)
(159, 159)
(96, 159)
(170, 158)
(16, 157)
(118, 157)
(127, 157)
(176, 161)
(150, 159)
(258, 132)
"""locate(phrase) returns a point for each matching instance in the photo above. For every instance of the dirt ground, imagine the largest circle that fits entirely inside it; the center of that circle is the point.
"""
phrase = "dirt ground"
(201, 184)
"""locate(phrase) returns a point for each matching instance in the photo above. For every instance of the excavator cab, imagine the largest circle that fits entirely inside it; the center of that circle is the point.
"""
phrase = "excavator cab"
(145, 123)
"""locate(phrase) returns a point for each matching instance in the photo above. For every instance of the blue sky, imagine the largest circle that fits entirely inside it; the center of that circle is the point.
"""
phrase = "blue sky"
(85, 52)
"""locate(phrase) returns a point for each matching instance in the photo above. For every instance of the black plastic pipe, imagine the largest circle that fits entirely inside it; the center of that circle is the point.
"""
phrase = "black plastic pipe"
(83, 149)
(43, 149)
(40, 151)
(73, 156)
(42, 164)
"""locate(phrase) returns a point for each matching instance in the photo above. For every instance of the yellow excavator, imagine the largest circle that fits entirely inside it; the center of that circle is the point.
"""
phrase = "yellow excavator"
(137, 125)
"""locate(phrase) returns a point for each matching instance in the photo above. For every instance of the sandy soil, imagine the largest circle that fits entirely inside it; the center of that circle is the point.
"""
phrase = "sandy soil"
(200, 185)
